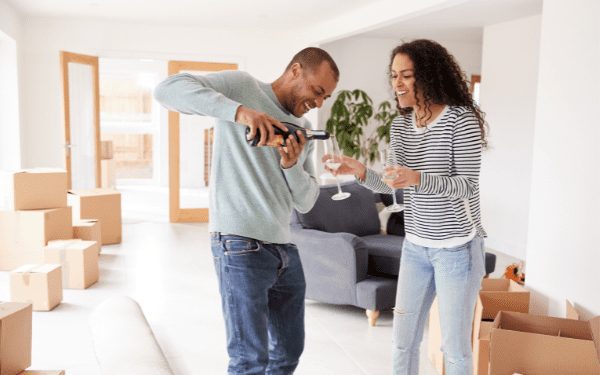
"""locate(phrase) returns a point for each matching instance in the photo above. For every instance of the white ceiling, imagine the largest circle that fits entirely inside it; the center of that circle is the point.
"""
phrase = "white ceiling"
(230, 14)
(462, 21)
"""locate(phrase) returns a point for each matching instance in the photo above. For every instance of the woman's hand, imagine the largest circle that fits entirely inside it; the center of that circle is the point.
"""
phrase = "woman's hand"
(401, 177)
(348, 166)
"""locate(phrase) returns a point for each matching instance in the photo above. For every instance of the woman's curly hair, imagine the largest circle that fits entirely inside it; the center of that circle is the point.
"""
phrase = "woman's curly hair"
(438, 79)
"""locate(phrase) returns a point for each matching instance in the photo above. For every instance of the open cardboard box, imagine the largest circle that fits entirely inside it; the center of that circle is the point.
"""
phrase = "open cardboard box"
(533, 344)
(495, 295)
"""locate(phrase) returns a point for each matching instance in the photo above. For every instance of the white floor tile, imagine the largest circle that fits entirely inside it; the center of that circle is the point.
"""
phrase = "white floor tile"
(168, 269)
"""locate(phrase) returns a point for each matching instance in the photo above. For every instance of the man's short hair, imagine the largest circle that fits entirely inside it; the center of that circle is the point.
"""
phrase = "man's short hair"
(311, 57)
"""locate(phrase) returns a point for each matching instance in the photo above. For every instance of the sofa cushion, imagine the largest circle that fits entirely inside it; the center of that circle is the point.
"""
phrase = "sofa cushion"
(384, 253)
(356, 215)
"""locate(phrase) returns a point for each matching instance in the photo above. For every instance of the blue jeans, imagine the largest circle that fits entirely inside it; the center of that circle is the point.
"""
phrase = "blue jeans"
(262, 294)
(455, 275)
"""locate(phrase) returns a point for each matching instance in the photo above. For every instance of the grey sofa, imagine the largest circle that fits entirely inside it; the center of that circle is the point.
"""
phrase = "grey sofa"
(339, 241)
(345, 258)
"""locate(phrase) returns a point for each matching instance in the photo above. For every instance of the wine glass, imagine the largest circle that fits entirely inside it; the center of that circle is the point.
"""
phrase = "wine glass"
(334, 163)
(388, 159)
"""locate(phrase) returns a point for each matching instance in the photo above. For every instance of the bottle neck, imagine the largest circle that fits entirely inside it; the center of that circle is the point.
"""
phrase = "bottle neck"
(316, 134)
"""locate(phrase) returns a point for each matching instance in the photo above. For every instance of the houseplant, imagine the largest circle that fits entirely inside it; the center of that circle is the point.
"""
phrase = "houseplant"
(350, 116)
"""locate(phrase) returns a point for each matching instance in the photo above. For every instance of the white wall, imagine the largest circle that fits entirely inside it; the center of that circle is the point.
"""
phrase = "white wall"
(263, 55)
(10, 20)
(10, 32)
(508, 96)
(563, 256)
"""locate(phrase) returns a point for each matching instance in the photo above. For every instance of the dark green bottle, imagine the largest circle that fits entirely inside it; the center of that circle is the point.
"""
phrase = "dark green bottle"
(282, 136)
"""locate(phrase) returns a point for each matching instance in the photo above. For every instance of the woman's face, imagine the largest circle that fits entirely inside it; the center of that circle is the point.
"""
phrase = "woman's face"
(402, 76)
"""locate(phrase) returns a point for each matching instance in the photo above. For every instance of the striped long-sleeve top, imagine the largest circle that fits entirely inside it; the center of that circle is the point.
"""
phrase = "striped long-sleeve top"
(444, 210)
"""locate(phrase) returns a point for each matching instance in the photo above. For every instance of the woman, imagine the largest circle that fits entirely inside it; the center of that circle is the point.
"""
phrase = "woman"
(436, 142)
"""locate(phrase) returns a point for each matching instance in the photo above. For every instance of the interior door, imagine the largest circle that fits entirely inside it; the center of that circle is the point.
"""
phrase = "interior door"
(189, 160)
(81, 96)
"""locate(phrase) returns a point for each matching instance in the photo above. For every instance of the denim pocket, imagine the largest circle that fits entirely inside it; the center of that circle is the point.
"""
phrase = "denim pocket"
(239, 246)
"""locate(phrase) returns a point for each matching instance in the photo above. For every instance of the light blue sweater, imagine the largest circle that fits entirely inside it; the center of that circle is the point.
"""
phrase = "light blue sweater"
(250, 194)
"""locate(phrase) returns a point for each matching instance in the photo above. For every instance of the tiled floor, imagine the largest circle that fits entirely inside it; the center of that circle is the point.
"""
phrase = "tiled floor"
(168, 269)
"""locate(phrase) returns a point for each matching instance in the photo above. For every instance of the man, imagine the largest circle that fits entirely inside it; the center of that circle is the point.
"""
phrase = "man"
(253, 192)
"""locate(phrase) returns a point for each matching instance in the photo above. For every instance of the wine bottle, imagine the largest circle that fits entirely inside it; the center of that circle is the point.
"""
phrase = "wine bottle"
(281, 136)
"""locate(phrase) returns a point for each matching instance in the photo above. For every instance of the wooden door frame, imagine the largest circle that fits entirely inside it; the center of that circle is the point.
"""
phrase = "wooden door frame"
(176, 213)
(65, 59)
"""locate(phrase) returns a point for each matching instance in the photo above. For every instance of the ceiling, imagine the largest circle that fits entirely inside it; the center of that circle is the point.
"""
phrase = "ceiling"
(220, 14)
(463, 21)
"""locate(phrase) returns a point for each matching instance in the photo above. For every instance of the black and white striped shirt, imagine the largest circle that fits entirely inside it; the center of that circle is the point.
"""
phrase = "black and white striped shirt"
(443, 211)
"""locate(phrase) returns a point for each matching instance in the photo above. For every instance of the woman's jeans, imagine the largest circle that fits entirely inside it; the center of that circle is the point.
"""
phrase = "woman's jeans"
(262, 294)
(454, 275)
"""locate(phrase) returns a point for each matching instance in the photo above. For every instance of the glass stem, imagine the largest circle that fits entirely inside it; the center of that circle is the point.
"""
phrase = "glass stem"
(338, 184)
(394, 197)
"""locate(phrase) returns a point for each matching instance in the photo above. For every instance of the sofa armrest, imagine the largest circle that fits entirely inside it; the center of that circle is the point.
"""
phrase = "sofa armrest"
(333, 264)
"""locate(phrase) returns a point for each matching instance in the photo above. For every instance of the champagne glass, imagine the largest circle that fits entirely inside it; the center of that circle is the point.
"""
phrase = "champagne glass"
(388, 159)
(334, 163)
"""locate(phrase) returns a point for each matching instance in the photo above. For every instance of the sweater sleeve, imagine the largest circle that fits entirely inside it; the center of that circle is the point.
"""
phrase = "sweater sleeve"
(463, 181)
(302, 181)
(206, 95)
(374, 182)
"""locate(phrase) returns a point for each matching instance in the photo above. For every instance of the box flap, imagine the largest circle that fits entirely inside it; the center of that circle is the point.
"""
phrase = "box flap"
(571, 312)
(544, 325)
(595, 328)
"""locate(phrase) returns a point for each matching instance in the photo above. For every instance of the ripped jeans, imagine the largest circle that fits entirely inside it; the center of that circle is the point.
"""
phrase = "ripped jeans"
(454, 275)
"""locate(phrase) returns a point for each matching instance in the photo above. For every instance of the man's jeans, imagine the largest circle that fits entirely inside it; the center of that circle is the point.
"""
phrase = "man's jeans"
(454, 274)
(262, 294)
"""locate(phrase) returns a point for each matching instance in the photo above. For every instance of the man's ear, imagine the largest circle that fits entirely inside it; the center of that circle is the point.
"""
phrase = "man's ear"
(296, 70)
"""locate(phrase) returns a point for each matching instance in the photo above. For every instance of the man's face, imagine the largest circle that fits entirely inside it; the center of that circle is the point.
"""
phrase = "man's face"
(310, 88)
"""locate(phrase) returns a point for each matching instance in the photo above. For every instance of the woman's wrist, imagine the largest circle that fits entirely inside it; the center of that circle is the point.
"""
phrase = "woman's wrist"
(361, 175)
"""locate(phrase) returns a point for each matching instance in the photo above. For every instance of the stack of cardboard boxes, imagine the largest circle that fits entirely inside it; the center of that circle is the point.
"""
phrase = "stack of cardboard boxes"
(39, 242)
(507, 340)
(35, 211)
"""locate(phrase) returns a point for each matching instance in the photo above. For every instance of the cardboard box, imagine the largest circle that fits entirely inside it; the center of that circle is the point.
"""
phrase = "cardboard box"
(481, 340)
(79, 261)
(502, 295)
(495, 295)
(88, 230)
(15, 337)
(103, 205)
(108, 174)
(43, 372)
(533, 344)
(23, 234)
(33, 189)
(38, 284)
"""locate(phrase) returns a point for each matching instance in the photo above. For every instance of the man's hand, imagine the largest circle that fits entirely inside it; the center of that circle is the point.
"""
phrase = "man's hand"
(292, 150)
(258, 121)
